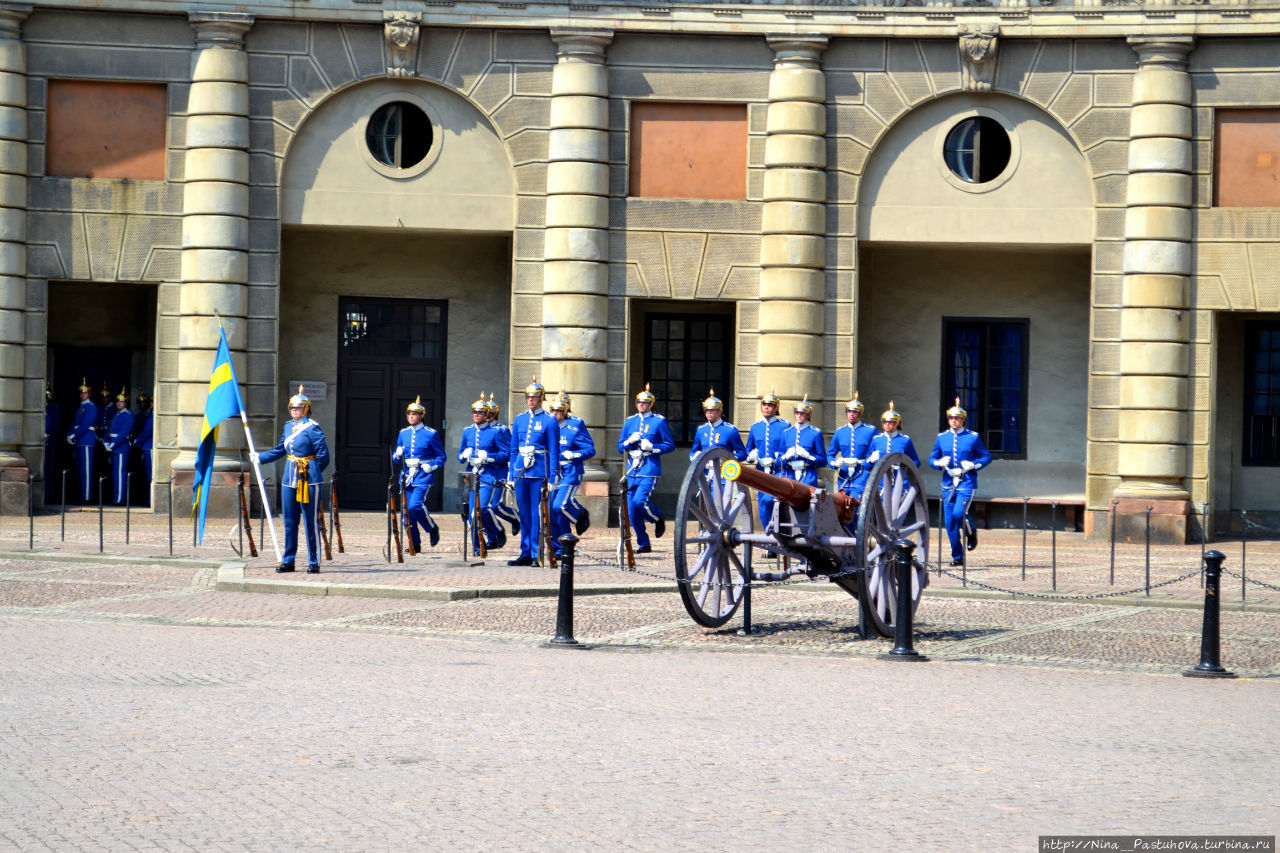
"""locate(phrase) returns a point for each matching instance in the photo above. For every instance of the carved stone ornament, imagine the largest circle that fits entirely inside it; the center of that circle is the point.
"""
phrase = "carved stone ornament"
(400, 29)
(978, 57)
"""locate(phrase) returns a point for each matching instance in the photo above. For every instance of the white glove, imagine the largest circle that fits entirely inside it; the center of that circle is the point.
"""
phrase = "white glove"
(109, 445)
(567, 455)
(943, 462)
(71, 438)
(646, 445)
(636, 454)
(838, 462)
(955, 472)
(429, 468)
(967, 465)
(791, 452)
(753, 457)
(850, 464)
(798, 465)
(632, 439)
(481, 456)
(804, 454)
(413, 463)
(875, 454)
(767, 463)
(398, 454)
(465, 454)
(253, 456)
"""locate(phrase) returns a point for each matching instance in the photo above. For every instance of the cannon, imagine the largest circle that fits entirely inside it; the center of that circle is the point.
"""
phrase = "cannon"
(809, 533)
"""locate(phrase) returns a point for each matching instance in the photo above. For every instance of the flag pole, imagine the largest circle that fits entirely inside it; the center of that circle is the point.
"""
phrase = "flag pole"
(257, 469)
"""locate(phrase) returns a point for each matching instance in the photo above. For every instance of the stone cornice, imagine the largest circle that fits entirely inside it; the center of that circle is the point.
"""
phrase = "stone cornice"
(220, 29)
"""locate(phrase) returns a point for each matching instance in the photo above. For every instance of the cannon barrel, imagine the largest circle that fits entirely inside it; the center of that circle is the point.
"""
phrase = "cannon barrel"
(792, 493)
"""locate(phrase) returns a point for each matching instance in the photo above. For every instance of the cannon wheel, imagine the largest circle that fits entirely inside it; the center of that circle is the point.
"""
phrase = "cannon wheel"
(894, 507)
(711, 571)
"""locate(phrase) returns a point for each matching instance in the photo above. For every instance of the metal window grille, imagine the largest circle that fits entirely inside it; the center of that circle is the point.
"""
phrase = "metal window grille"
(985, 365)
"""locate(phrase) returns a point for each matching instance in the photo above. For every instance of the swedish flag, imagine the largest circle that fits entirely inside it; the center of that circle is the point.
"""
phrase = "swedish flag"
(224, 402)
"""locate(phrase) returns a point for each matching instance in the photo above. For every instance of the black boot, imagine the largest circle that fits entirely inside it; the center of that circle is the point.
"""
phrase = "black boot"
(284, 567)
(584, 521)
(433, 535)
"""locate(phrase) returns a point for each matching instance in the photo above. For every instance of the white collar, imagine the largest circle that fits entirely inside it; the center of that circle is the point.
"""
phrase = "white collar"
(716, 423)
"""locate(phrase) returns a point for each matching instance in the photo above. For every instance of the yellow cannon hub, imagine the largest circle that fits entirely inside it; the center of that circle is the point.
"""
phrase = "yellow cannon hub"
(731, 470)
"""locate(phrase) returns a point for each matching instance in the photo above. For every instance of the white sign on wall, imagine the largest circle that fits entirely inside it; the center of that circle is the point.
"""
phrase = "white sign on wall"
(310, 387)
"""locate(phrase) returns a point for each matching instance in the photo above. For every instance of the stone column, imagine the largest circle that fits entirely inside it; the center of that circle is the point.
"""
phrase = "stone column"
(793, 250)
(1155, 315)
(215, 224)
(13, 253)
(575, 282)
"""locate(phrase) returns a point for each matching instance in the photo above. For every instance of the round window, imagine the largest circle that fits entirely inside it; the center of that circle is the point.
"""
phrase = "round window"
(399, 135)
(977, 149)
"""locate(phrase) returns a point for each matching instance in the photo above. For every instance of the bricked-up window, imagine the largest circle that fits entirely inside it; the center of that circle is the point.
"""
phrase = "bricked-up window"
(1262, 394)
(1246, 158)
(984, 363)
(688, 150)
(686, 355)
(106, 130)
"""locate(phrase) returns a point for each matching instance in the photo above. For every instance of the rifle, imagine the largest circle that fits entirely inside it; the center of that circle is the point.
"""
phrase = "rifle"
(393, 516)
(404, 519)
(624, 521)
(477, 528)
(544, 520)
(324, 533)
(333, 512)
(244, 518)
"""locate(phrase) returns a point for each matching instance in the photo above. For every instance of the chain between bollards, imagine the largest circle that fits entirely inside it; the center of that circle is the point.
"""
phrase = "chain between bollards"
(903, 630)
(1210, 665)
(564, 604)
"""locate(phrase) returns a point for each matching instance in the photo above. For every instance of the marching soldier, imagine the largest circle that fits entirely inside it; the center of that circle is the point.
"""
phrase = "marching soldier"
(535, 437)
(145, 428)
(306, 456)
(576, 447)
(52, 419)
(891, 440)
(645, 437)
(484, 452)
(849, 448)
(958, 453)
(805, 454)
(419, 449)
(765, 448)
(716, 432)
(116, 441)
(83, 437)
(501, 511)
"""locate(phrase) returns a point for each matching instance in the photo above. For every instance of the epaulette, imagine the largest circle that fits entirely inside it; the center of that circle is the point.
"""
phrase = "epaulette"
(659, 417)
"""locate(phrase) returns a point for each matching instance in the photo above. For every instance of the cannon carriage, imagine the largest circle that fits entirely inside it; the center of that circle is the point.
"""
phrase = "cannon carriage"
(812, 532)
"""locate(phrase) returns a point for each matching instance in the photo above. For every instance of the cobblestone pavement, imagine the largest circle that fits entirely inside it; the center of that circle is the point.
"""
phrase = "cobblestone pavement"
(146, 709)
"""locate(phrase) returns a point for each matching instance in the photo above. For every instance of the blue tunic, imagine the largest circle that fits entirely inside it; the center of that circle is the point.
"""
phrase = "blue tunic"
(489, 438)
(804, 453)
(852, 443)
(883, 444)
(637, 429)
(718, 434)
(957, 448)
(419, 442)
(535, 440)
(576, 447)
(82, 432)
(764, 441)
(302, 444)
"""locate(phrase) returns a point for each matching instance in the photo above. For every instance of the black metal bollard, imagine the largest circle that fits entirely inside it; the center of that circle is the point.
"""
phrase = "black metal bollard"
(31, 512)
(1147, 582)
(1025, 501)
(170, 515)
(564, 605)
(1113, 542)
(1053, 540)
(64, 505)
(128, 501)
(903, 630)
(1210, 652)
(746, 630)
(1244, 549)
(101, 480)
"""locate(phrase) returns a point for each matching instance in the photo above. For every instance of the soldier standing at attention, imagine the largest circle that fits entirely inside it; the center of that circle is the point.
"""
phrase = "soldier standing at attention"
(805, 454)
(645, 437)
(116, 441)
(83, 437)
(576, 447)
(892, 439)
(484, 452)
(419, 447)
(849, 448)
(716, 432)
(52, 419)
(535, 435)
(765, 448)
(145, 428)
(106, 411)
(958, 453)
(499, 505)
(306, 456)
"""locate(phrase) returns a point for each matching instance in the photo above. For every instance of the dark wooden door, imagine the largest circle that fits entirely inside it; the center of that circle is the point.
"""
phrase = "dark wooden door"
(391, 352)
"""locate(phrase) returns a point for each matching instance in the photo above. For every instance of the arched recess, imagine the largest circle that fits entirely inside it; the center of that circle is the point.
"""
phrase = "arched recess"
(395, 283)
(940, 257)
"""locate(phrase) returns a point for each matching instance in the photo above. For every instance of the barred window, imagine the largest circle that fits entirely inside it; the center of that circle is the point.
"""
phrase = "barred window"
(1262, 394)
(985, 365)
(685, 356)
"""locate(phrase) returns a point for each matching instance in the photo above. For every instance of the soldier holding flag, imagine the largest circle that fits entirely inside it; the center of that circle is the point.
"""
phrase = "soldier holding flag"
(306, 456)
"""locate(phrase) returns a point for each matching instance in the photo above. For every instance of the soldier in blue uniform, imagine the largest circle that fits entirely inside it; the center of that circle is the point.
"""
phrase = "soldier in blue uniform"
(116, 441)
(106, 411)
(535, 441)
(52, 419)
(306, 456)
(892, 439)
(805, 452)
(144, 429)
(501, 511)
(958, 453)
(484, 452)
(419, 449)
(849, 448)
(645, 437)
(83, 437)
(765, 448)
(576, 447)
(716, 432)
